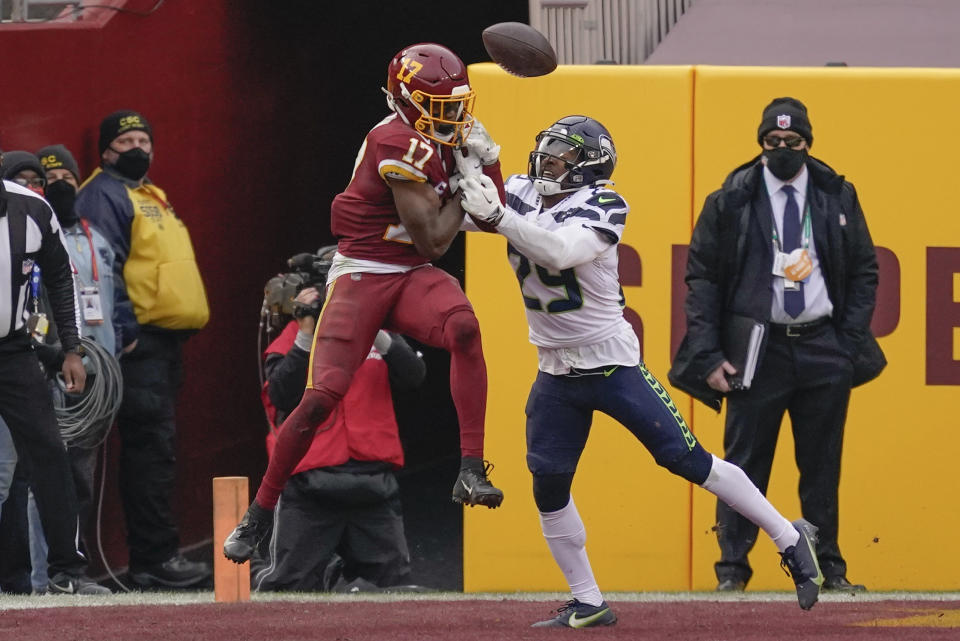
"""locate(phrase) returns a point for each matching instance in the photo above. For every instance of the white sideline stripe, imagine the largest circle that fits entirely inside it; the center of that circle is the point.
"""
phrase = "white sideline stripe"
(26, 602)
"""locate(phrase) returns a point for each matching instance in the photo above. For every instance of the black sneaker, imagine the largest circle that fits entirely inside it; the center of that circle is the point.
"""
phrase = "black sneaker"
(63, 583)
(841, 584)
(574, 614)
(175, 572)
(731, 585)
(245, 538)
(801, 560)
(473, 488)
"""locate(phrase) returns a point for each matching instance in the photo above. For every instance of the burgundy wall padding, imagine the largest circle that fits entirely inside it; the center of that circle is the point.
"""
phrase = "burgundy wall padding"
(258, 110)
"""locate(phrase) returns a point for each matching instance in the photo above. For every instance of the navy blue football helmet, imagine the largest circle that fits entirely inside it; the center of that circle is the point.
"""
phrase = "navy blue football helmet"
(585, 148)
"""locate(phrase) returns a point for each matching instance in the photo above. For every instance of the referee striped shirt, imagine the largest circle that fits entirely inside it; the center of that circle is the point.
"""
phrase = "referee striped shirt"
(30, 235)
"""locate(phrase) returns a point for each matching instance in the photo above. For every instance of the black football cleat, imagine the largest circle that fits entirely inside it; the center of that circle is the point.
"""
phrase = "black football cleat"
(245, 538)
(473, 487)
(801, 561)
(574, 614)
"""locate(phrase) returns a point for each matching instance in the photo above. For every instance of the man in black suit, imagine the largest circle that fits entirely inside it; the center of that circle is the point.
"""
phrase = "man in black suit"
(784, 242)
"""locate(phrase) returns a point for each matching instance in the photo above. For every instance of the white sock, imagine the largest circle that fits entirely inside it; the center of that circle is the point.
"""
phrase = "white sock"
(567, 538)
(732, 486)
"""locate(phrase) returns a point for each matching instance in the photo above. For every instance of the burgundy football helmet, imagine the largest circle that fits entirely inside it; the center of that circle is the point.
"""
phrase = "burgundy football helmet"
(427, 86)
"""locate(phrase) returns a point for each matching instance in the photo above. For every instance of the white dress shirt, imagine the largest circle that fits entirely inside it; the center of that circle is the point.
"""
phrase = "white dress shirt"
(816, 300)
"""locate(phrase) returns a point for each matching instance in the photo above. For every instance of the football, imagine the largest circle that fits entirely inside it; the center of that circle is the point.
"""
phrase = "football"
(519, 49)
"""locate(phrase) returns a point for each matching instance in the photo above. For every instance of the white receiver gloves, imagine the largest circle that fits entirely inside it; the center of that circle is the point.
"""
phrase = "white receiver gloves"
(481, 144)
(467, 167)
(480, 199)
(473, 154)
(382, 342)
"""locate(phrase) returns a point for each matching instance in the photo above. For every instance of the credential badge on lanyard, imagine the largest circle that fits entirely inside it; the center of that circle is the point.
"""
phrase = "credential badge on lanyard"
(37, 323)
(92, 310)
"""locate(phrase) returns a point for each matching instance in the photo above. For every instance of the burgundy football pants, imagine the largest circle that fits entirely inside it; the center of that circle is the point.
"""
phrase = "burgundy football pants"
(426, 304)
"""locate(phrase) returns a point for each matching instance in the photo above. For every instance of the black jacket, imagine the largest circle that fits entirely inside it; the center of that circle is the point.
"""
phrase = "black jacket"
(728, 271)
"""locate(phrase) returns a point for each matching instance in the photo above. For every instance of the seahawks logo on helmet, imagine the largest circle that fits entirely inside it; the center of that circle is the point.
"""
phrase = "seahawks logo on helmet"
(582, 146)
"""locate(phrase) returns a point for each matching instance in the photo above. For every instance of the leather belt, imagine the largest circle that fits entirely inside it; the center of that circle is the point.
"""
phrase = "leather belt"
(795, 330)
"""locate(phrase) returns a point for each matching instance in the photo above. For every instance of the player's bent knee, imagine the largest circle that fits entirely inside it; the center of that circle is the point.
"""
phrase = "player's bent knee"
(551, 492)
(694, 465)
(461, 330)
(317, 405)
(725, 473)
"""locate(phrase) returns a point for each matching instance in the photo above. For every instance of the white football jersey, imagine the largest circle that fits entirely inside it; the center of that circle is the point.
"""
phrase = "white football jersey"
(581, 306)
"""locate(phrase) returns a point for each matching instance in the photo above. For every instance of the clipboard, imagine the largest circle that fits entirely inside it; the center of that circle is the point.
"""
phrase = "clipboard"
(741, 341)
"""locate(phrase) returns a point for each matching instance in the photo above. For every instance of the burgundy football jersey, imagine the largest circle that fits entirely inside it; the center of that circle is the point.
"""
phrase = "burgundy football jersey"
(364, 217)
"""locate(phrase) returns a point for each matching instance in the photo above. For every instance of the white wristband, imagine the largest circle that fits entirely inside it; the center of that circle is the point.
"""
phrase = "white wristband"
(303, 340)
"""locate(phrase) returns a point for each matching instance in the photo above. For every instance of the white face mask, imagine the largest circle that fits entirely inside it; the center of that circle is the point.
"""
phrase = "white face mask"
(547, 187)
(551, 148)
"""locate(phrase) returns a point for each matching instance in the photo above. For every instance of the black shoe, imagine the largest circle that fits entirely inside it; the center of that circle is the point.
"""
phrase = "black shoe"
(840, 584)
(63, 583)
(245, 538)
(574, 614)
(731, 585)
(473, 488)
(801, 560)
(175, 572)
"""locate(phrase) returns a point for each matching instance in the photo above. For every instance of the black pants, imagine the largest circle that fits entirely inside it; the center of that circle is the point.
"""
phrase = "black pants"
(152, 374)
(320, 514)
(83, 465)
(809, 378)
(27, 408)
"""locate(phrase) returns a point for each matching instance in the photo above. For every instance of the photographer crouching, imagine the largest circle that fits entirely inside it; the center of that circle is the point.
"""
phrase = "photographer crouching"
(338, 524)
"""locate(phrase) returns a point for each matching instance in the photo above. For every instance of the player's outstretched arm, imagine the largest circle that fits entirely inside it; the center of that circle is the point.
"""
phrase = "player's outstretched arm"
(554, 249)
(431, 226)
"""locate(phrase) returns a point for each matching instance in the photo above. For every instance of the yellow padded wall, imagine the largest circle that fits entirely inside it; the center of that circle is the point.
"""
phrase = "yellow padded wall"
(890, 132)
(636, 514)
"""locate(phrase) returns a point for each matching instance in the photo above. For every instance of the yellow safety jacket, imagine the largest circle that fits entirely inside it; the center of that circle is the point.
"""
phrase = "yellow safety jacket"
(159, 269)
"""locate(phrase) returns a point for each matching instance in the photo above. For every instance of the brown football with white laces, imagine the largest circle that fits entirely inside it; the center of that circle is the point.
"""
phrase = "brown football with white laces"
(519, 49)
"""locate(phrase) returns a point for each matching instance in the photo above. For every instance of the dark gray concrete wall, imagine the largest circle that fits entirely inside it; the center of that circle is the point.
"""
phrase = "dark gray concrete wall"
(881, 33)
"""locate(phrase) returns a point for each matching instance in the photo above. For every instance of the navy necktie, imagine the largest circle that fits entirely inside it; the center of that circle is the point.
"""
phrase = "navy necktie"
(792, 298)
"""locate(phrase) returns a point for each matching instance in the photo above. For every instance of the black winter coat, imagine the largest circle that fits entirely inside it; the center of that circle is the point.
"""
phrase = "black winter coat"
(723, 276)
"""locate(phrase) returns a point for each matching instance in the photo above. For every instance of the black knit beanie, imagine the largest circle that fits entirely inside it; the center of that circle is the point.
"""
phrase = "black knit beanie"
(59, 157)
(785, 113)
(120, 122)
(16, 161)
